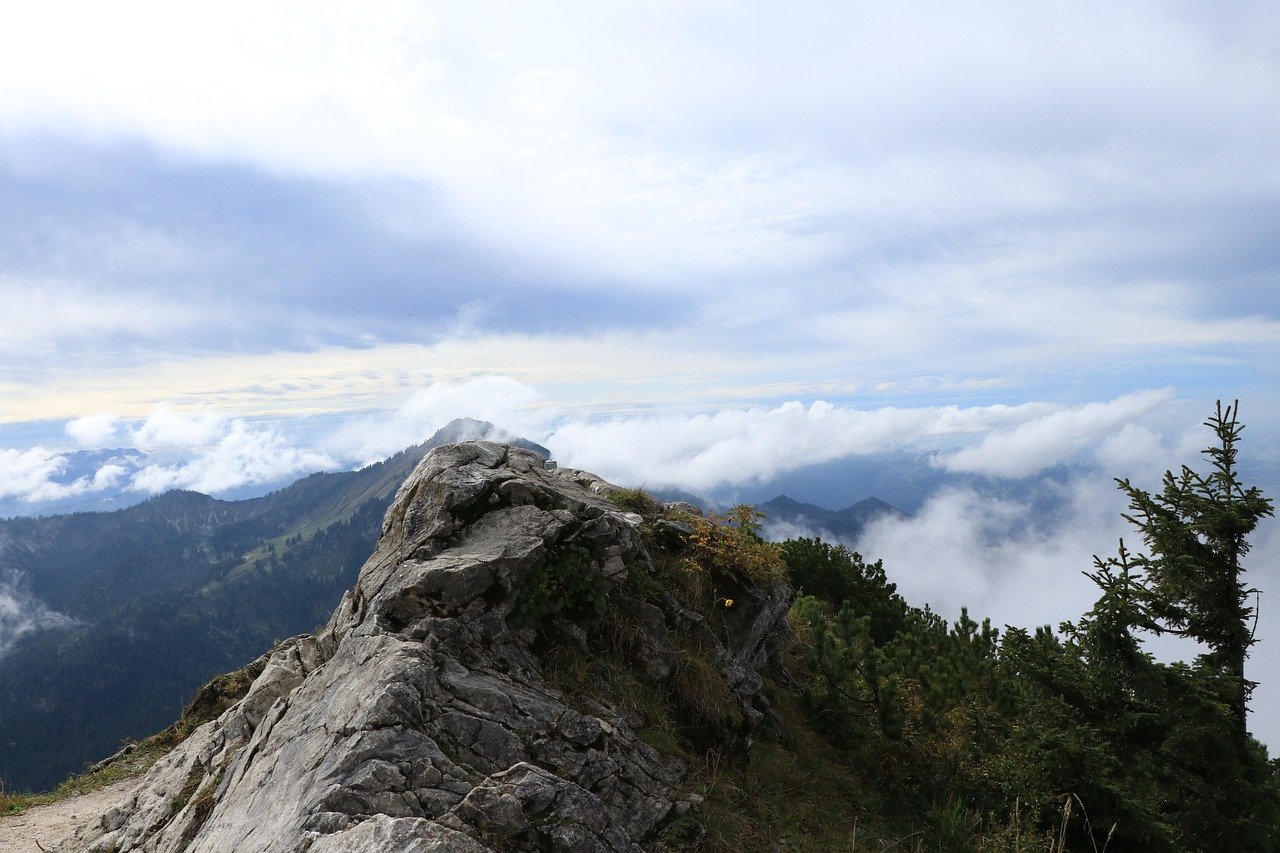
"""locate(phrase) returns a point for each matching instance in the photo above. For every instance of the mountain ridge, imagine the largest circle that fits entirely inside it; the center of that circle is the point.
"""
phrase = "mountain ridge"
(147, 602)
(847, 523)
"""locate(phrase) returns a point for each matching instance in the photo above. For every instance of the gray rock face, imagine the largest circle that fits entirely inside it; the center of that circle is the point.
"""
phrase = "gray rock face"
(417, 719)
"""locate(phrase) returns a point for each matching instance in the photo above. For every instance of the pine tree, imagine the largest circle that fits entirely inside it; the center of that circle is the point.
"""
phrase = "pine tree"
(1196, 530)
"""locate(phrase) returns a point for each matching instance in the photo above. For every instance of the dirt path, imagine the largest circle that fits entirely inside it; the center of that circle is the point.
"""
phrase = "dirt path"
(44, 826)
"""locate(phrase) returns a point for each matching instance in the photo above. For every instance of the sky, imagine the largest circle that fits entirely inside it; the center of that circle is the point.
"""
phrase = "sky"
(696, 245)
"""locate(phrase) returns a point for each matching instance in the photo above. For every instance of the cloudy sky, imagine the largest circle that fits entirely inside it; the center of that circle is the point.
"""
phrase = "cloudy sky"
(688, 244)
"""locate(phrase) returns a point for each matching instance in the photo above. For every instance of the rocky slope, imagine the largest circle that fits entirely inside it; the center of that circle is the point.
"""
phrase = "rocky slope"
(419, 718)
(114, 618)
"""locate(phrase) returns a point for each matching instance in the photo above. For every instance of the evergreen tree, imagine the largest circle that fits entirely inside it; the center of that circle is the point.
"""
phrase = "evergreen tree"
(1196, 529)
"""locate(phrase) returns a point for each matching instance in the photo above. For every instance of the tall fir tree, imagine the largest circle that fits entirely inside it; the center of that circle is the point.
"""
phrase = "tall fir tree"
(1196, 529)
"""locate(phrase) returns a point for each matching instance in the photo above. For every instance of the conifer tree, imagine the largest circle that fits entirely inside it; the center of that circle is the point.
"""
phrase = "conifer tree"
(1196, 530)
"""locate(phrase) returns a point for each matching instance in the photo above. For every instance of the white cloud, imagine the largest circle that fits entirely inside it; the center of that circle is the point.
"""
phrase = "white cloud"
(208, 451)
(702, 452)
(778, 530)
(167, 428)
(1053, 438)
(500, 400)
(968, 549)
(240, 455)
(30, 475)
(201, 450)
(96, 430)
(20, 614)
(27, 473)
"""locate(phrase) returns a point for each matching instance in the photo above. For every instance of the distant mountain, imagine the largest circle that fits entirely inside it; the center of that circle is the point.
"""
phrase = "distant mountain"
(904, 480)
(846, 524)
(115, 618)
(470, 429)
(99, 480)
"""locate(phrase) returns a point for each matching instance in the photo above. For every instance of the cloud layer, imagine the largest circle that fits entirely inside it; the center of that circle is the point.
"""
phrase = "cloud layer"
(207, 451)
(1010, 544)
(912, 204)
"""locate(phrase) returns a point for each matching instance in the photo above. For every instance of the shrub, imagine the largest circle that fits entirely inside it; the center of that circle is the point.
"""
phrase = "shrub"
(568, 581)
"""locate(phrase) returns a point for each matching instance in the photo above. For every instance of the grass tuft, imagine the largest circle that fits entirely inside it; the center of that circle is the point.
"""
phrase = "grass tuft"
(636, 500)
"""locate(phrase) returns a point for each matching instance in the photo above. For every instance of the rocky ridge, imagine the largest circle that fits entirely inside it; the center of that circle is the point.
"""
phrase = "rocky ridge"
(419, 717)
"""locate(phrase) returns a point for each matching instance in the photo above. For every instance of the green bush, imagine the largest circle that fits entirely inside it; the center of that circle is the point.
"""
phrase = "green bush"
(567, 582)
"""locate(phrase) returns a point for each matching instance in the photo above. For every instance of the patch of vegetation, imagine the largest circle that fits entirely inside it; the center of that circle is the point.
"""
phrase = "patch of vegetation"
(636, 500)
(701, 692)
(719, 554)
(1067, 740)
(180, 800)
(567, 582)
(731, 545)
(776, 797)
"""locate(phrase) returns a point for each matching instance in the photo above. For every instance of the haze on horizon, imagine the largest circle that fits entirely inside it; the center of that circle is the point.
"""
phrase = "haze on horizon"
(696, 245)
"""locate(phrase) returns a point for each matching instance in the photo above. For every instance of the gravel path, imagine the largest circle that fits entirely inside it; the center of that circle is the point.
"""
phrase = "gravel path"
(44, 826)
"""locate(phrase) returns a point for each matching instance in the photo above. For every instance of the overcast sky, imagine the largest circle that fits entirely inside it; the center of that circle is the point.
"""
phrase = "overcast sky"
(693, 244)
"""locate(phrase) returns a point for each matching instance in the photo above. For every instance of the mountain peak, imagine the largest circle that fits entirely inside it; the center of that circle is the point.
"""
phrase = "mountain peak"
(420, 717)
(471, 429)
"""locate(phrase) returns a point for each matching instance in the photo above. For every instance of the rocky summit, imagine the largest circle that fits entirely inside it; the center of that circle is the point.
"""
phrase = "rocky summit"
(421, 718)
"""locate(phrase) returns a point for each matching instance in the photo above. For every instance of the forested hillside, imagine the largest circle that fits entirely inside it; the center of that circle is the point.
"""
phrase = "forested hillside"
(165, 595)
(1008, 741)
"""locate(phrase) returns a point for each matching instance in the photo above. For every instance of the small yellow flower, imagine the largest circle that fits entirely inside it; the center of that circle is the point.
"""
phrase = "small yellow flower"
(728, 602)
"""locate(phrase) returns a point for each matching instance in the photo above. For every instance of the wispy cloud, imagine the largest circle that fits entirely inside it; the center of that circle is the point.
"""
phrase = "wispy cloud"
(33, 475)
(500, 400)
(21, 614)
(200, 450)
(241, 455)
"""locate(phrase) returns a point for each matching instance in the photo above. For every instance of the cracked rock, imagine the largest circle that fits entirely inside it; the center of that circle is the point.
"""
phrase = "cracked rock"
(417, 718)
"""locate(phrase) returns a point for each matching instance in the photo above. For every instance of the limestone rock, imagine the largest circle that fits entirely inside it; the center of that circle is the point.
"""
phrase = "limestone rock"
(417, 719)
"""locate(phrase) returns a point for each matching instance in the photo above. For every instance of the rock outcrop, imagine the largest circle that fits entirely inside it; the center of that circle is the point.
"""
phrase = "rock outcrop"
(419, 719)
